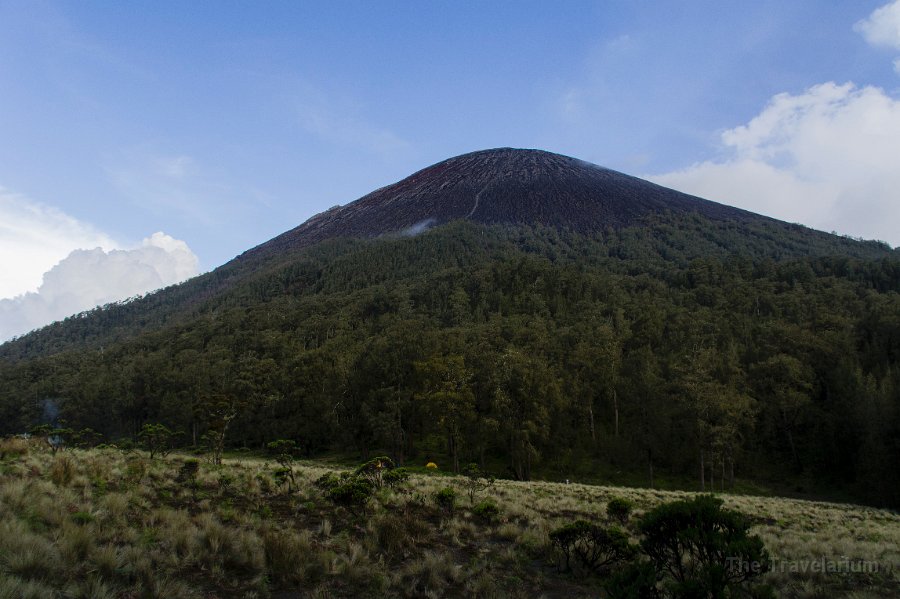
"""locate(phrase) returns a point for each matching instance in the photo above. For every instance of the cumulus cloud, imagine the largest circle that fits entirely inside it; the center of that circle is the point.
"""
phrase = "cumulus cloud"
(882, 27)
(826, 158)
(88, 278)
(34, 237)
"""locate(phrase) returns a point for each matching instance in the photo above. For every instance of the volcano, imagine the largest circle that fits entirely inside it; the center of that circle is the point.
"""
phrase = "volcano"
(496, 188)
(503, 186)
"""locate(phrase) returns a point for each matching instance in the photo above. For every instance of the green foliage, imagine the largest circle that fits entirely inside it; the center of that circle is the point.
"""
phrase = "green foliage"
(374, 470)
(396, 478)
(187, 473)
(701, 549)
(225, 481)
(619, 509)
(754, 350)
(86, 438)
(486, 511)
(284, 454)
(55, 437)
(589, 547)
(635, 580)
(476, 481)
(446, 499)
(352, 493)
(157, 439)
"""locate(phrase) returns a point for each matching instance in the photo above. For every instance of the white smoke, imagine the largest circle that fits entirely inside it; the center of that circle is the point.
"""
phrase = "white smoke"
(416, 229)
(89, 278)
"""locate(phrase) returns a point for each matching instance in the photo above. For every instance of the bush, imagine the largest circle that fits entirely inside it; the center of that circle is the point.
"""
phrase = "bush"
(619, 509)
(636, 580)
(188, 471)
(446, 499)
(352, 492)
(593, 548)
(395, 478)
(284, 477)
(476, 481)
(157, 439)
(328, 481)
(486, 511)
(702, 549)
(375, 469)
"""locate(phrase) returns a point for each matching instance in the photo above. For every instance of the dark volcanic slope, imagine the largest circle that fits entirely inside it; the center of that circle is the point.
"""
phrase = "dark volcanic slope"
(505, 185)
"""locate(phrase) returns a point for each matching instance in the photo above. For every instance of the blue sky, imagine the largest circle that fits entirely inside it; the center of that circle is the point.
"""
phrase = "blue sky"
(223, 124)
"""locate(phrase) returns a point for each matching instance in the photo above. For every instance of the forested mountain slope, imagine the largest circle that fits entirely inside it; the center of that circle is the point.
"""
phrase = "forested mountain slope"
(679, 339)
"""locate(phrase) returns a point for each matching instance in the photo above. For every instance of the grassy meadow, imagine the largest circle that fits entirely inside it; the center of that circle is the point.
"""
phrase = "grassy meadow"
(102, 523)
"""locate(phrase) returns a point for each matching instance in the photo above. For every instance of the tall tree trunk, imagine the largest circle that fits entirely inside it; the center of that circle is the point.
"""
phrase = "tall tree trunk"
(616, 411)
(796, 458)
(650, 465)
(722, 478)
(702, 472)
(591, 418)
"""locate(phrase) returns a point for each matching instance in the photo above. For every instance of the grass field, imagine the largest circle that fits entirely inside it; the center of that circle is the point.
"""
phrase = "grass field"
(103, 523)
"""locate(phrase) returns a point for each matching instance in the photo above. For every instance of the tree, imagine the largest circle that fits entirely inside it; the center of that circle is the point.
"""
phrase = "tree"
(786, 382)
(445, 383)
(157, 439)
(700, 549)
(218, 410)
(524, 394)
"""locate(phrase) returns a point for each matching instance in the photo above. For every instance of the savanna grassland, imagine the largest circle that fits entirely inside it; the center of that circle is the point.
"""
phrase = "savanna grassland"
(107, 523)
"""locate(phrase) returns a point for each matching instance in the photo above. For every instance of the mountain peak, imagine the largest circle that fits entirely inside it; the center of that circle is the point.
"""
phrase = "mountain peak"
(502, 185)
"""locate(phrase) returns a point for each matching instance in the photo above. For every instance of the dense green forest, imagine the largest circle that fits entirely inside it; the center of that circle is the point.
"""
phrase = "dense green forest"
(685, 347)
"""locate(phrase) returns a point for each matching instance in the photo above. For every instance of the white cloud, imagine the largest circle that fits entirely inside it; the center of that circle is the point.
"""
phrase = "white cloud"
(88, 278)
(34, 237)
(882, 27)
(826, 158)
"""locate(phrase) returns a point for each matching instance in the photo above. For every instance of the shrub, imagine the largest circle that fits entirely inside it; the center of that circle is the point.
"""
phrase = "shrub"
(486, 511)
(446, 499)
(327, 481)
(636, 580)
(284, 477)
(593, 548)
(395, 478)
(157, 439)
(702, 549)
(375, 469)
(187, 474)
(619, 509)
(352, 492)
(284, 450)
(476, 481)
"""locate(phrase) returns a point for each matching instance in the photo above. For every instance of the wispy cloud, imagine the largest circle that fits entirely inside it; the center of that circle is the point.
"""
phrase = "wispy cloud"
(88, 278)
(168, 183)
(339, 120)
(826, 158)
